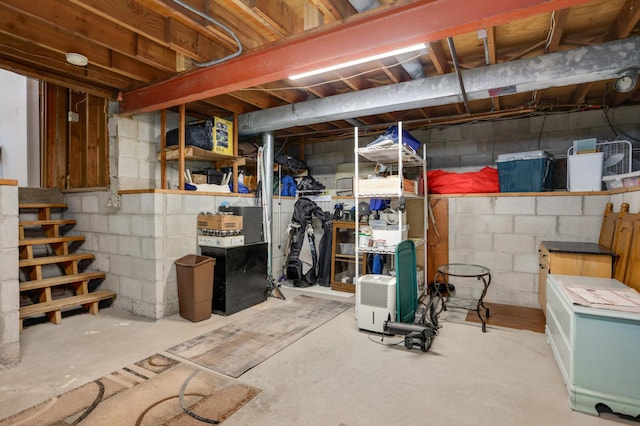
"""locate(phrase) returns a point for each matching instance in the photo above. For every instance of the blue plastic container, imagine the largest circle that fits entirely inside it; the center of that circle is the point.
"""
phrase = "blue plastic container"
(530, 171)
(392, 135)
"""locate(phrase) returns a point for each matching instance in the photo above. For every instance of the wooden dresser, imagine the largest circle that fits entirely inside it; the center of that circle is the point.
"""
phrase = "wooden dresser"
(596, 349)
(572, 258)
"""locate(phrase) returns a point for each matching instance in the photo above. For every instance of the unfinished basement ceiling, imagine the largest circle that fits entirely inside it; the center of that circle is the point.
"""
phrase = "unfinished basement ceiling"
(144, 53)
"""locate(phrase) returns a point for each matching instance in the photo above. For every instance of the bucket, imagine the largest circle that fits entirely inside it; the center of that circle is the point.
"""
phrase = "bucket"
(584, 172)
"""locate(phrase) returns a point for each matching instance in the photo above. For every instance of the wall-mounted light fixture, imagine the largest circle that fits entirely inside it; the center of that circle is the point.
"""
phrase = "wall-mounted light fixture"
(627, 80)
(77, 59)
(358, 61)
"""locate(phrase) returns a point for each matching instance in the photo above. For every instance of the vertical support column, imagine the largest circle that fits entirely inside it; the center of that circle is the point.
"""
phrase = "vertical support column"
(181, 142)
(267, 196)
(163, 146)
(10, 324)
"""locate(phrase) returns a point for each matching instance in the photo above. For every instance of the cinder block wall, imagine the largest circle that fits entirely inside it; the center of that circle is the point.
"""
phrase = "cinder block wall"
(504, 233)
(137, 244)
(137, 237)
(478, 144)
(9, 290)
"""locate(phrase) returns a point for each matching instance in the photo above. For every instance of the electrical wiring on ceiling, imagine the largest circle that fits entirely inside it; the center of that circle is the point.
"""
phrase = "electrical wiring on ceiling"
(219, 24)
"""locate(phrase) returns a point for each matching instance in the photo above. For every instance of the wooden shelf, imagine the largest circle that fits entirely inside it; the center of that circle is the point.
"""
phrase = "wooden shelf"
(194, 153)
(342, 262)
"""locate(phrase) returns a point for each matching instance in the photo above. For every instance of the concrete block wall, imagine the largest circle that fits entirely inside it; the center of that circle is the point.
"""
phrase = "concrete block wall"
(137, 244)
(504, 234)
(150, 230)
(478, 144)
(133, 150)
(475, 145)
(9, 287)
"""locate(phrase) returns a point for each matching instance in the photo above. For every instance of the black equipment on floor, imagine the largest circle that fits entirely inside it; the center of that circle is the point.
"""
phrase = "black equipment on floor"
(239, 278)
(417, 318)
(304, 263)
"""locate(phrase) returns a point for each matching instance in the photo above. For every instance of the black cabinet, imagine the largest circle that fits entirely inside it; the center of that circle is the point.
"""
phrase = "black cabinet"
(239, 277)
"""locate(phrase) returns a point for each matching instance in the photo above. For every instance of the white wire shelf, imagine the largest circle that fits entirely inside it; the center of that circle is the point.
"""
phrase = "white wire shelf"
(387, 154)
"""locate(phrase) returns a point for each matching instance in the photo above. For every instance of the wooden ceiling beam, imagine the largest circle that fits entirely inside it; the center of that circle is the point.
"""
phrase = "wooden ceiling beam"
(35, 31)
(69, 19)
(312, 17)
(58, 79)
(275, 15)
(38, 58)
(627, 20)
(439, 57)
(492, 45)
(231, 103)
(151, 24)
(403, 25)
(285, 93)
(257, 98)
(556, 30)
(580, 93)
(334, 10)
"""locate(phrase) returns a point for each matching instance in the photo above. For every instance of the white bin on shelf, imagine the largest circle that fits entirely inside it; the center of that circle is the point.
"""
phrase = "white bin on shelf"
(584, 172)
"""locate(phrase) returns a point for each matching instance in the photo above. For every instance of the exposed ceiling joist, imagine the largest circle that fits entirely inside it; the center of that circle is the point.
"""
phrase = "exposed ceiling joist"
(403, 26)
(578, 66)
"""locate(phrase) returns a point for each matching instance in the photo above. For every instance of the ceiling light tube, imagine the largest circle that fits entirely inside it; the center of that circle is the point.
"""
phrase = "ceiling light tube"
(358, 61)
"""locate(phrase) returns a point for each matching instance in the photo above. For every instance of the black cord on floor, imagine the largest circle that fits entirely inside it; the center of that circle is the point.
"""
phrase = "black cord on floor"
(381, 342)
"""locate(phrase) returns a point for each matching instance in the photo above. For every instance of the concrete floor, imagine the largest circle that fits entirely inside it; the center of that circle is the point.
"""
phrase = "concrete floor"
(335, 375)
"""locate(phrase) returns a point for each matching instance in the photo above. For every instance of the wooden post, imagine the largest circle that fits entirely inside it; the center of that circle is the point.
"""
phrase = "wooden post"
(235, 152)
(181, 142)
(163, 146)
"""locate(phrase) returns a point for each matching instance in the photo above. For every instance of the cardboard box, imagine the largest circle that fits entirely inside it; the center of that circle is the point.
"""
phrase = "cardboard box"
(222, 135)
(388, 185)
(198, 178)
(224, 222)
(209, 241)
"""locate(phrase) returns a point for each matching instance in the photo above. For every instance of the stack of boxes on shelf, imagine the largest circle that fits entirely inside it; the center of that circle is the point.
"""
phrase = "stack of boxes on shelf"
(220, 230)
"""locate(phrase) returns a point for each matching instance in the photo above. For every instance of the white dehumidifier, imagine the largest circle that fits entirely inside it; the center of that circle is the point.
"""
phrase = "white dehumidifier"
(376, 302)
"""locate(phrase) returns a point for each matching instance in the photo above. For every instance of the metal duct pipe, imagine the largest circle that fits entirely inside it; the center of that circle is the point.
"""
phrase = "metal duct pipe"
(576, 66)
(456, 65)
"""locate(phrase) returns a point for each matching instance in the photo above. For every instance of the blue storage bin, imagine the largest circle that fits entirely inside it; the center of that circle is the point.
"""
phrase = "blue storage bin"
(530, 171)
(391, 135)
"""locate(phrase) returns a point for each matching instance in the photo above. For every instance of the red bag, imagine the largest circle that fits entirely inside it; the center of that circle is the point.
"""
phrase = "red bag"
(482, 181)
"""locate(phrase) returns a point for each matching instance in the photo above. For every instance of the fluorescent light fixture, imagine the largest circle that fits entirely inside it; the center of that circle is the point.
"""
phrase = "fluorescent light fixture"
(359, 61)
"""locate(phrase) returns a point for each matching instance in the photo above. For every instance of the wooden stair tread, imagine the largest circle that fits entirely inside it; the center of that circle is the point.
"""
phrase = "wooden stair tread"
(50, 240)
(46, 260)
(47, 222)
(60, 280)
(65, 302)
(32, 206)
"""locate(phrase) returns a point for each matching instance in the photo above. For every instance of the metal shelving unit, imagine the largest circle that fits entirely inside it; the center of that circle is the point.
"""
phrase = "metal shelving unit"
(402, 156)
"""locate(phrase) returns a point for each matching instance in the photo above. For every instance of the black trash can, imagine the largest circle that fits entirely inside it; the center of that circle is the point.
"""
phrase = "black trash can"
(195, 286)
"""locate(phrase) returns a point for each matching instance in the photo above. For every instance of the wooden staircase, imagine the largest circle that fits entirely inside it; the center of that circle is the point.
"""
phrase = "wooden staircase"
(72, 283)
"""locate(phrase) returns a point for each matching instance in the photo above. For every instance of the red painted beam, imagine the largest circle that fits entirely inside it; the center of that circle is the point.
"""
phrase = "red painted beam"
(418, 22)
